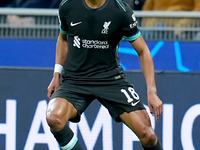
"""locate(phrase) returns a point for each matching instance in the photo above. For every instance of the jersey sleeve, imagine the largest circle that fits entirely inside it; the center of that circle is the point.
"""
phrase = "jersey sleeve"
(62, 21)
(129, 25)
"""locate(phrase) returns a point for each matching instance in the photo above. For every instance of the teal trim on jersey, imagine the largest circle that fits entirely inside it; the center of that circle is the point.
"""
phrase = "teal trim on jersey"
(120, 4)
(132, 38)
(62, 31)
(63, 1)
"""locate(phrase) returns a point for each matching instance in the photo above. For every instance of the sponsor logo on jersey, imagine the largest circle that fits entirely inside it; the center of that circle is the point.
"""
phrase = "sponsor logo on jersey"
(134, 104)
(96, 44)
(133, 16)
(74, 24)
(90, 44)
(118, 77)
(106, 27)
(77, 42)
(134, 24)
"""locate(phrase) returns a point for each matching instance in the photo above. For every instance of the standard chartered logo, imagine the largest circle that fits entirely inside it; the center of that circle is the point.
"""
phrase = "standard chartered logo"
(95, 44)
(90, 44)
(76, 41)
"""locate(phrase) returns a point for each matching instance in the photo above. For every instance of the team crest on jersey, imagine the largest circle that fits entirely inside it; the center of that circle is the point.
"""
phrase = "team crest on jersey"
(106, 27)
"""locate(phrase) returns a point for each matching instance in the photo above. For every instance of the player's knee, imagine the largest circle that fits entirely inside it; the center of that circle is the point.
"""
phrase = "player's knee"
(148, 138)
(53, 119)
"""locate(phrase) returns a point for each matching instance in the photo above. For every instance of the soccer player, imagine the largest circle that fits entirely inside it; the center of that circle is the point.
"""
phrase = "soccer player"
(90, 32)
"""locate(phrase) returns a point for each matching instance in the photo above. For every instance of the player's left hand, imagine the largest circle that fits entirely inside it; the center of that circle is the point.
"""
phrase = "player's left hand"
(155, 104)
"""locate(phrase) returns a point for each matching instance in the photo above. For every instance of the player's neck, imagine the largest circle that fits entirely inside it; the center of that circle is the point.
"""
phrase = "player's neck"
(95, 3)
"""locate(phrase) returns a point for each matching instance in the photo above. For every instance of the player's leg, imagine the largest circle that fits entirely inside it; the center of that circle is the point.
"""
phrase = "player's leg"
(59, 111)
(124, 105)
(139, 122)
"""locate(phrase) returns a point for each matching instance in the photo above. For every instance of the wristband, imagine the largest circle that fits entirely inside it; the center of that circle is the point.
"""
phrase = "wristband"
(58, 68)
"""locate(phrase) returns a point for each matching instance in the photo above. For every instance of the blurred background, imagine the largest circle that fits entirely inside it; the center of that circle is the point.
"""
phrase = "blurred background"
(28, 33)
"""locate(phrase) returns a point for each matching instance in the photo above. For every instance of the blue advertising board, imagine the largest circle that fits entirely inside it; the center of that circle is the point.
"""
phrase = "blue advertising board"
(23, 104)
(174, 55)
(23, 98)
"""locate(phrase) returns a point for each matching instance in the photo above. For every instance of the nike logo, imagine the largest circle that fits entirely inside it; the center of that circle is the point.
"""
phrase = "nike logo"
(74, 24)
(133, 104)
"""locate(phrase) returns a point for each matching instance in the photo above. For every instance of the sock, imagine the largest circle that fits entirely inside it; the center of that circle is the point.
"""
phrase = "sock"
(155, 147)
(66, 139)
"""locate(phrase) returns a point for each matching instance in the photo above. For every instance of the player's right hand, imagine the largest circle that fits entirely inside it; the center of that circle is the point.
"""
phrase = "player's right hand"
(54, 84)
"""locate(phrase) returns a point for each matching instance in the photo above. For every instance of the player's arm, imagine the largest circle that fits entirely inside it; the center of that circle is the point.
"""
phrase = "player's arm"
(61, 54)
(146, 61)
(61, 49)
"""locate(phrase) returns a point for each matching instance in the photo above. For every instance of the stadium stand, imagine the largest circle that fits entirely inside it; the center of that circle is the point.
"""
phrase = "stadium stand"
(43, 24)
